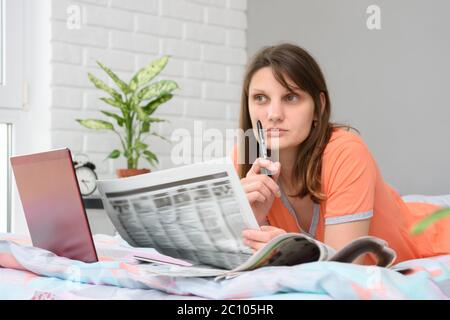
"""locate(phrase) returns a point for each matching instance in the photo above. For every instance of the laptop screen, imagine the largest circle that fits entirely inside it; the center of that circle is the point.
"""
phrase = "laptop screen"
(53, 205)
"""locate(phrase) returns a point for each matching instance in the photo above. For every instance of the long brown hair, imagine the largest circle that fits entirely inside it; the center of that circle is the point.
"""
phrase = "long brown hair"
(288, 60)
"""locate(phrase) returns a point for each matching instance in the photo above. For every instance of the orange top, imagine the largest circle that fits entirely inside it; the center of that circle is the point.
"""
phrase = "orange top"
(355, 190)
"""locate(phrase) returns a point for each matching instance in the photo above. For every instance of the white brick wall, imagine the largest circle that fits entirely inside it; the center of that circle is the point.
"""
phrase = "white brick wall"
(207, 43)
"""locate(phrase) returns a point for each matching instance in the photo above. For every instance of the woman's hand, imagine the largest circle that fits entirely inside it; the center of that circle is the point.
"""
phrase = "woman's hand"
(260, 189)
(257, 239)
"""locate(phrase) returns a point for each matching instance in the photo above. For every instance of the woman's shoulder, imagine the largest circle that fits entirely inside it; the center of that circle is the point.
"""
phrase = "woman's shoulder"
(347, 159)
(343, 141)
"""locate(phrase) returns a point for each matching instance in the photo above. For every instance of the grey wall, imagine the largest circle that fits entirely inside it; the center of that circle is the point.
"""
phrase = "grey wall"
(391, 84)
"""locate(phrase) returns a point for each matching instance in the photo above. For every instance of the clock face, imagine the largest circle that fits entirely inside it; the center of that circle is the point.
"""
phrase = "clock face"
(86, 180)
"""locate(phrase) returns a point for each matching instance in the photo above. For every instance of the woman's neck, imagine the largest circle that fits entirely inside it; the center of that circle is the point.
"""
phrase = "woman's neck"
(287, 158)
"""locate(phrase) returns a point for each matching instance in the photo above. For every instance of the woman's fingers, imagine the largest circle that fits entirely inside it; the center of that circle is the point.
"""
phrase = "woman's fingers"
(265, 234)
(259, 186)
(276, 171)
(261, 189)
(259, 181)
(257, 239)
(257, 236)
(255, 245)
(255, 196)
(257, 165)
(273, 167)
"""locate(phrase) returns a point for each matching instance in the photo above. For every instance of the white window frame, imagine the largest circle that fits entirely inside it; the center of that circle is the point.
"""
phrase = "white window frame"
(5, 176)
(11, 92)
(12, 56)
(2, 45)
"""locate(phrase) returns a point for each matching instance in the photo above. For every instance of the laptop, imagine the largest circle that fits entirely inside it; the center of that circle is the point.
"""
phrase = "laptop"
(52, 203)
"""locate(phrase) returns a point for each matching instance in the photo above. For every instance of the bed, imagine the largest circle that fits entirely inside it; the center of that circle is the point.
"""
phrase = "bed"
(32, 273)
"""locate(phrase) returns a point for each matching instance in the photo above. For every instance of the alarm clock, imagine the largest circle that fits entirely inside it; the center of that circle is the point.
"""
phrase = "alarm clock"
(86, 177)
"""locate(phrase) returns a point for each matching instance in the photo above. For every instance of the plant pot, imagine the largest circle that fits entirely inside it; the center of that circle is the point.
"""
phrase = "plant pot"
(123, 173)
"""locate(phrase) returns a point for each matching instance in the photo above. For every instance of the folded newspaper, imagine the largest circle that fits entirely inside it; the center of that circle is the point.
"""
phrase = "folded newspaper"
(196, 214)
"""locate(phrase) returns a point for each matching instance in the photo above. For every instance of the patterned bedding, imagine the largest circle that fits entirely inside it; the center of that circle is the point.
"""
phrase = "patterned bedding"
(32, 273)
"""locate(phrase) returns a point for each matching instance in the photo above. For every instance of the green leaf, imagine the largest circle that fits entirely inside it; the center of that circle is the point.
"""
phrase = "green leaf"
(157, 89)
(99, 84)
(113, 155)
(151, 106)
(160, 136)
(127, 153)
(119, 119)
(139, 145)
(429, 220)
(145, 127)
(157, 120)
(151, 161)
(113, 102)
(147, 73)
(140, 113)
(121, 84)
(151, 157)
(96, 124)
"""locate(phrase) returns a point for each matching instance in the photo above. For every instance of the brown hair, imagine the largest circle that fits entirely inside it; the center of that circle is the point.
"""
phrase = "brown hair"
(298, 65)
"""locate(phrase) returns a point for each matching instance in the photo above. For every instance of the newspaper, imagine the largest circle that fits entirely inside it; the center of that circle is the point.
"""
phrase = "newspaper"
(193, 216)
(195, 212)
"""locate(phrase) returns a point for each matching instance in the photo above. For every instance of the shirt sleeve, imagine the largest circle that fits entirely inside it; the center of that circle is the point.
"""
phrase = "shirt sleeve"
(349, 181)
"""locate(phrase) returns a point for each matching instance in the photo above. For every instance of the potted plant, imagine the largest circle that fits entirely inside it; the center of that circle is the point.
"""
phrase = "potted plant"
(135, 102)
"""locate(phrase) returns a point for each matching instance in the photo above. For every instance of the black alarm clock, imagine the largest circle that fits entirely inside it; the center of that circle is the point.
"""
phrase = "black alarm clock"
(85, 172)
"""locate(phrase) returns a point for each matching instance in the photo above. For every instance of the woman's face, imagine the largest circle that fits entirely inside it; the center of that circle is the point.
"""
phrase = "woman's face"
(285, 115)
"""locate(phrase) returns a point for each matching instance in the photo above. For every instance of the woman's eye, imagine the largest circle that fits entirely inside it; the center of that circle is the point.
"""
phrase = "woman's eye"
(291, 98)
(260, 98)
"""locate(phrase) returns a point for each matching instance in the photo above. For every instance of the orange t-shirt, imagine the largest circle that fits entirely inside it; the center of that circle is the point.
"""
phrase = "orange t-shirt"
(355, 190)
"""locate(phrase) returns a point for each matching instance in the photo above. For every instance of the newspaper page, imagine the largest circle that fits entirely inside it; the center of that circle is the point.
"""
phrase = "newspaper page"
(195, 212)
(288, 249)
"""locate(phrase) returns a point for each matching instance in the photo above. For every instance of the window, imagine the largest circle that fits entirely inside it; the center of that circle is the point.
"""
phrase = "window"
(11, 53)
(1, 42)
(5, 178)
(11, 86)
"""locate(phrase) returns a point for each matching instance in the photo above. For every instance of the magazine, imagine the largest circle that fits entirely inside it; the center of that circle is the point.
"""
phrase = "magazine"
(195, 215)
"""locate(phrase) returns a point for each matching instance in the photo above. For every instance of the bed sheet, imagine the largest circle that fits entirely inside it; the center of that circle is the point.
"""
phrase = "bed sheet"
(32, 273)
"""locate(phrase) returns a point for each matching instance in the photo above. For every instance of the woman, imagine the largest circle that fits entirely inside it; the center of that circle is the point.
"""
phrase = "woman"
(326, 182)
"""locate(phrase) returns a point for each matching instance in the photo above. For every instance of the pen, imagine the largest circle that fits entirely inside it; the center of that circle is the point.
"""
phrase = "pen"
(262, 148)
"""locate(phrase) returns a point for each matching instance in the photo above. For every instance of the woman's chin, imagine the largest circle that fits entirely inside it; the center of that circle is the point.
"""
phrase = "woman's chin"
(277, 144)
